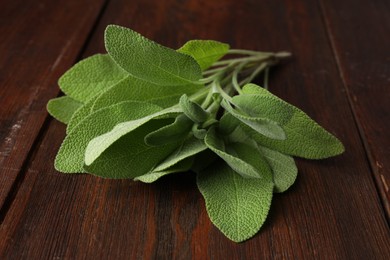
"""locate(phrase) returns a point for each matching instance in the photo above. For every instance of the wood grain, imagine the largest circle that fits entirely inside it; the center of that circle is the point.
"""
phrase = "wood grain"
(332, 212)
(359, 32)
(40, 40)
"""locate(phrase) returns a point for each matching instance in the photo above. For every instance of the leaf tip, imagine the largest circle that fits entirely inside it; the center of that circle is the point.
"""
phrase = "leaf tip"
(109, 32)
(339, 147)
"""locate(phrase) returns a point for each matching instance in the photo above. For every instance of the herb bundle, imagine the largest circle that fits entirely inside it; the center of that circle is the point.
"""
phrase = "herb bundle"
(144, 111)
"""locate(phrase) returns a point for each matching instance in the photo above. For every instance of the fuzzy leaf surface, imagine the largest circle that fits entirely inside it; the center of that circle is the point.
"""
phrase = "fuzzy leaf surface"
(62, 108)
(237, 206)
(264, 106)
(70, 157)
(148, 60)
(90, 76)
(132, 88)
(81, 113)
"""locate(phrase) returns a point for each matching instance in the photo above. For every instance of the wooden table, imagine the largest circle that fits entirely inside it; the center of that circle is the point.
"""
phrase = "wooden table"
(340, 75)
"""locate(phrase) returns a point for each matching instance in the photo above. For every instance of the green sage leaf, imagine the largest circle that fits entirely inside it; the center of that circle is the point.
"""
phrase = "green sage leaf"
(153, 176)
(81, 113)
(198, 132)
(205, 52)
(263, 126)
(132, 88)
(203, 159)
(129, 156)
(148, 60)
(177, 131)
(238, 135)
(283, 167)
(192, 110)
(227, 124)
(90, 76)
(188, 148)
(70, 157)
(99, 144)
(62, 108)
(233, 159)
(264, 106)
(252, 88)
(284, 170)
(304, 137)
(237, 206)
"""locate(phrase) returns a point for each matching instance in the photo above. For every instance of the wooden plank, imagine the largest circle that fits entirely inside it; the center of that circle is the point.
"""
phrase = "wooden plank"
(332, 212)
(359, 32)
(39, 42)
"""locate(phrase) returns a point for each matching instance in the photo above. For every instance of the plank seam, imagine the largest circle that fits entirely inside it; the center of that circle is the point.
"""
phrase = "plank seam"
(20, 177)
(42, 132)
(384, 203)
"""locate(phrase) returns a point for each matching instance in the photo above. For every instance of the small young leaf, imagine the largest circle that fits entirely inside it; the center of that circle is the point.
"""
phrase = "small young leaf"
(187, 149)
(192, 110)
(129, 156)
(305, 138)
(264, 106)
(283, 167)
(174, 132)
(251, 88)
(216, 144)
(237, 206)
(90, 76)
(99, 144)
(263, 126)
(181, 166)
(199, 133)
(63, 108)
(70, 157)
(205, 52)
(148, 60)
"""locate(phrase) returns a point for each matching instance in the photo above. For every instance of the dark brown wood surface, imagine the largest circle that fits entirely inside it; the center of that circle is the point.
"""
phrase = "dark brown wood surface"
(359, 34)
(40, 40)
(339, 75)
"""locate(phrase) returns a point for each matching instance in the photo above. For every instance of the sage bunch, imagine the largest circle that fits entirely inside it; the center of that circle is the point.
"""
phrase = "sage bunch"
(143, 111)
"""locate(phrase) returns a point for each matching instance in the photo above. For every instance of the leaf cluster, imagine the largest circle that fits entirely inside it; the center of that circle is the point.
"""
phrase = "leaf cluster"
(143, 111)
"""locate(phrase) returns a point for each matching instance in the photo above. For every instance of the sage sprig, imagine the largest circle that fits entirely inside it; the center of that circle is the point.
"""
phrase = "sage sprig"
(144, 111)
